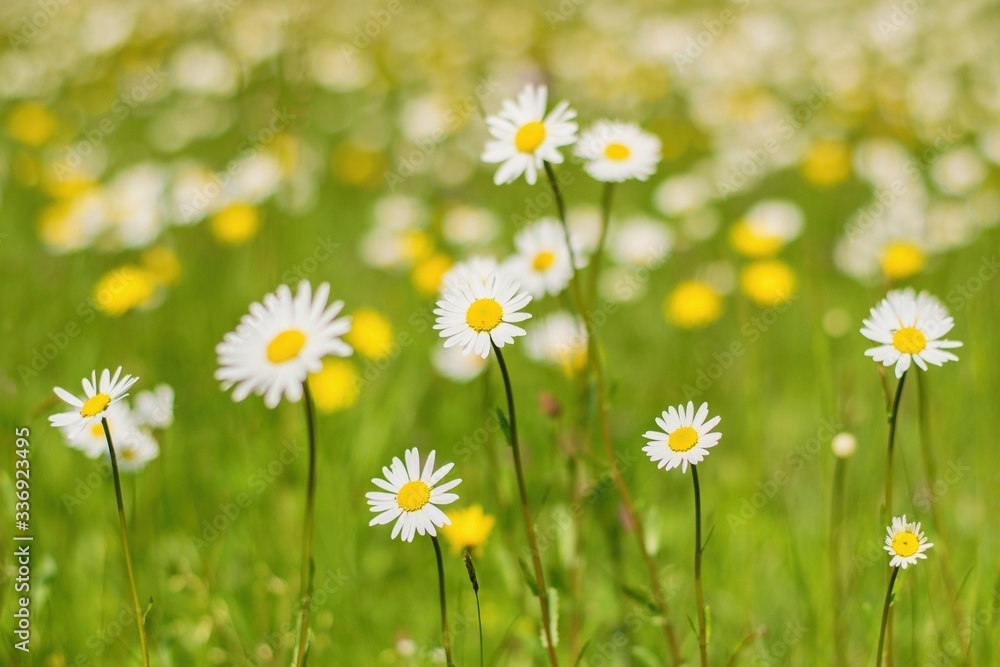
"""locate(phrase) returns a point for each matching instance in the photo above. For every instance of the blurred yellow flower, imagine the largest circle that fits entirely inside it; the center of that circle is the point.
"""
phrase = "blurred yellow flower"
(746, 241)
(30, 123)
(418, 246)
(469, 529)
(236, 224)
(162, 264)
(371, 334)
(428, 274)
(335, 387)
(827, 163)
(902, 259)
(120, 290)
(693, 304)
(768, 283)
(355, 165)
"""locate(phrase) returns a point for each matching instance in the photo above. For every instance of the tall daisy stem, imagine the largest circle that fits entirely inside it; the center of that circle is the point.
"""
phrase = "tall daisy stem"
(597, 369)
(306, 576)
(702, 634)
(893, 419)
(528, 523)
(444, 602)
(140, 618)
(885, 616)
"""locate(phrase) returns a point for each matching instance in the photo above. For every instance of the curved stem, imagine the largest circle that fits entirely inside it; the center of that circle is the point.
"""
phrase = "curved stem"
(597, 369)
(528, 524)
(444, 602)
(702, 636)
(140, 619)
(885, 616)
(893, 419)
(306, 576)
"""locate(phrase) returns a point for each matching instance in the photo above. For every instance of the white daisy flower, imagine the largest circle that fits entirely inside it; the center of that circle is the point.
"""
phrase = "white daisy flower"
(452, 363)
(92, 441)
(560, 340)
(909, 327)
(134, 451)
(905, 543)
(685, 439)
(155, 408)
(411, 498)
(542, 261)
(99, 397)
(640, 241)
(616, 152)
(478, 268)
(475, 315)
(524, 136)
(278, 343)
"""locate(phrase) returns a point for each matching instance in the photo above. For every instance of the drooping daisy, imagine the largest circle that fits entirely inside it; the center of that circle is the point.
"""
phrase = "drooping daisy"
(685, 439)
(909, 327)
(542, 262)
(410, 497)
(278, 343)
(615, 152)
(905, 543)
(99, 397)
(474, 315)
(524, 136)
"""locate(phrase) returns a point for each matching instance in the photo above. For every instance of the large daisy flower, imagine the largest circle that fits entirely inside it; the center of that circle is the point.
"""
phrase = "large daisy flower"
(99, 397)
(905, 543)
(542, 262)
(474, 315)
(685, 439)
(616, 152)
(909, 327)
(410, 497)
(524, 136)
(278, 343)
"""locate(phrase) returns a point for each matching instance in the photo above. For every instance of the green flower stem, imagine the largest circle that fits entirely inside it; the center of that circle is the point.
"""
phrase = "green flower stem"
(444, 602)
(885, 616)
(893, 419)
(140, 618)
(306, 576)
(702, 633)
(528, 523)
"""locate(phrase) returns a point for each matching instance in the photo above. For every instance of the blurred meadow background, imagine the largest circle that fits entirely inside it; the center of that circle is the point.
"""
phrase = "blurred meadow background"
(165, 164)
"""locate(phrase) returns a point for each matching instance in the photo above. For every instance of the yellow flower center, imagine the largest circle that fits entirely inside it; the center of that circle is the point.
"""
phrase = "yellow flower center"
(543, 260)
(413, 496)
(616, 152)
(530, 136)
(902, 259)
(285, 346)
(909, 340)
(97, 429)
(683, 439)
(95, 405)
(905, 544)
(484, 315)
(127, 454)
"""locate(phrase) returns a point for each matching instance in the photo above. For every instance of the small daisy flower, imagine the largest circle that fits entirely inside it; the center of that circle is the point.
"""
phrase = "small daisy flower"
(616, 152)
(99, 397)
(524, 136)
(905, 543)
(476, 268)
(455, 365)
(909, 327)
(561, 340)
(410, 497)
(474, 315)
(685, 439)
(278, 343)
(155, 408)
(92, 441)
(542, 262)
(134, 451)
